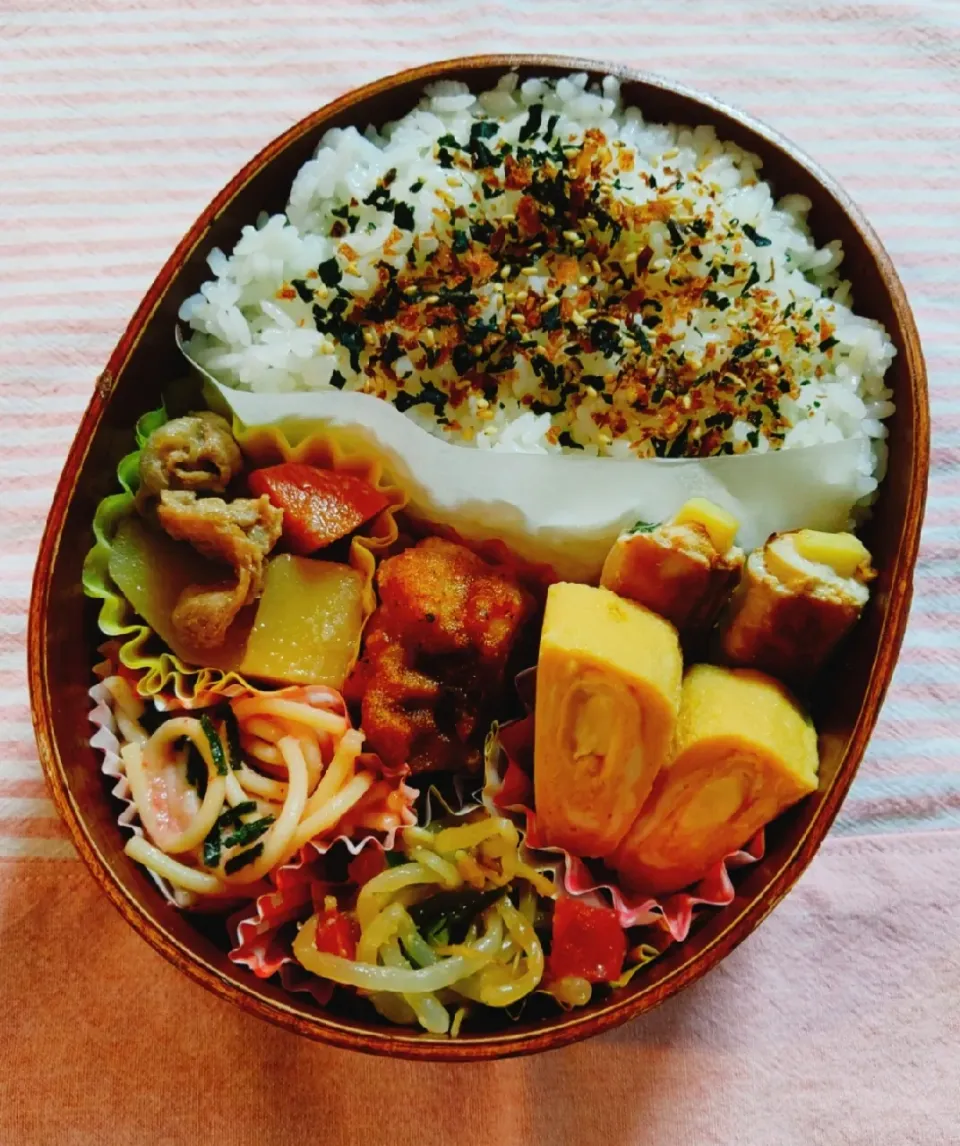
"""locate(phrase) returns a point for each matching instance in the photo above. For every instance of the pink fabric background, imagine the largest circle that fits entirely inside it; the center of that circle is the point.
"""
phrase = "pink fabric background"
(838, 1021)
(836, 1024)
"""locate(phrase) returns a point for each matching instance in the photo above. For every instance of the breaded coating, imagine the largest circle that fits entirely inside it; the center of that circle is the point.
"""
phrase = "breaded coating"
(435, 655)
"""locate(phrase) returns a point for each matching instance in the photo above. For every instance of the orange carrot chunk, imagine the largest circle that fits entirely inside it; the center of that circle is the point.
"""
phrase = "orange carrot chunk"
(319, 506)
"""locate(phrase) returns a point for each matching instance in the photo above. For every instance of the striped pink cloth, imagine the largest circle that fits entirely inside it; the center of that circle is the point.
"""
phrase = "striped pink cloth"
(119, 121)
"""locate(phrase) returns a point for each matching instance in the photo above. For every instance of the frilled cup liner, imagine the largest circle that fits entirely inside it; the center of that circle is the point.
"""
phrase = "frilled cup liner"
(509, 788)
(265, 932)
(160, 672)
(271, 904)
(106, 741)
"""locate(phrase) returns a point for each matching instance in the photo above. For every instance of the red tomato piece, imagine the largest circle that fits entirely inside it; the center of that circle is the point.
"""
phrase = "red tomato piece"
(588, 942)
(365, 865)
(337, 934)
(319, 506)
(517, 788)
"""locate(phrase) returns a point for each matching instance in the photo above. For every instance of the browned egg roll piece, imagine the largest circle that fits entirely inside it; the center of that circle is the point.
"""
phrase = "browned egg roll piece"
(799, 596)
(683, 569)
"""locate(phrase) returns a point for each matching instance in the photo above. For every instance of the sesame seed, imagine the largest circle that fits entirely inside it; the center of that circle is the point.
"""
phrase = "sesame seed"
(445, 197)
(369, 338)
(452, 181)
(578, 319)
(482, 403)
(431, 299)
(630, 259)
(429, 337)
(517, 318)
(528, 271)
(522, 296)
(571, 236)
(550, 304)
(672, 153)
(410, 290)
(589, 312)
(505, 271)
(629, 341)
(583, 280)
(591, 392)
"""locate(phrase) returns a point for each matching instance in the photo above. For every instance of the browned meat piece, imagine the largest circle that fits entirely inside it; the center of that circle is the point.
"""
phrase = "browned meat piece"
(196, 452)
(240, 534)
(676, 571)
(790, 612)
(204, 613)
(435, 655)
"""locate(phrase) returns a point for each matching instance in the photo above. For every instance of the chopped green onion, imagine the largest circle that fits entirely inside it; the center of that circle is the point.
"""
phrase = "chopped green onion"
(233, 738)
(244, 859)
(216, 747)
(247, 833)
(211, 847)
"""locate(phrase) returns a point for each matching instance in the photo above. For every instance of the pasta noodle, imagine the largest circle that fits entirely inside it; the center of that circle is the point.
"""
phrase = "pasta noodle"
(287, 772)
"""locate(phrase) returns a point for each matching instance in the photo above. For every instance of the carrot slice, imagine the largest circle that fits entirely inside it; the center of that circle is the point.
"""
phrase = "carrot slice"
(319, 506)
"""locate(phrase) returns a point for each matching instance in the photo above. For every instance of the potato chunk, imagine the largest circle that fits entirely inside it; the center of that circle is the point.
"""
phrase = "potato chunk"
(307, 628)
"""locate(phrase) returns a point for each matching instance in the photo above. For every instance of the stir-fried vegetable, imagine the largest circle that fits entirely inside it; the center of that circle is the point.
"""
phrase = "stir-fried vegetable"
(452, 924)
(588, 942)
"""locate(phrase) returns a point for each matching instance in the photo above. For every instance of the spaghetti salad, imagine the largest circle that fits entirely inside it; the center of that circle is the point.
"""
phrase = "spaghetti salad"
(228, 796)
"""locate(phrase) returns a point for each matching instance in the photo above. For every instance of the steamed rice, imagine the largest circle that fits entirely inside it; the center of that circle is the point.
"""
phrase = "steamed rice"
(536, 269)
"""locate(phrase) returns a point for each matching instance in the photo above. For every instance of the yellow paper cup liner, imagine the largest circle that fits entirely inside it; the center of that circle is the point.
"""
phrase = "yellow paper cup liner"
(162, 675)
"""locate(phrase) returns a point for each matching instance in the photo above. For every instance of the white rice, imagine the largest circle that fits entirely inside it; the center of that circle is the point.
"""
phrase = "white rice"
(775, 303)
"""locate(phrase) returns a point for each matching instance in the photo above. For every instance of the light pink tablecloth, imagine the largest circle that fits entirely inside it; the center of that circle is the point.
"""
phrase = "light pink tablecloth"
(837, 1022)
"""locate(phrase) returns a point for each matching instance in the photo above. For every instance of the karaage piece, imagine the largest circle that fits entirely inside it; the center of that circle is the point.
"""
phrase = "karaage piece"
(435, 655)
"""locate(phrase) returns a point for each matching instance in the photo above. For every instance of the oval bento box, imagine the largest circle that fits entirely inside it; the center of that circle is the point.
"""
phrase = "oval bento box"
(63, 636)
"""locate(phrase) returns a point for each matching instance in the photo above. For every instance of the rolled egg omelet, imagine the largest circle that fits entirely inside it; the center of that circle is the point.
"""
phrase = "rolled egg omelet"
(608, 692)
(744, 752)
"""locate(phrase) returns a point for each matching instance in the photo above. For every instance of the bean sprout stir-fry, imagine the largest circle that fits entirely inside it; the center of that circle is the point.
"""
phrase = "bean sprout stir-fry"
(452, 924)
